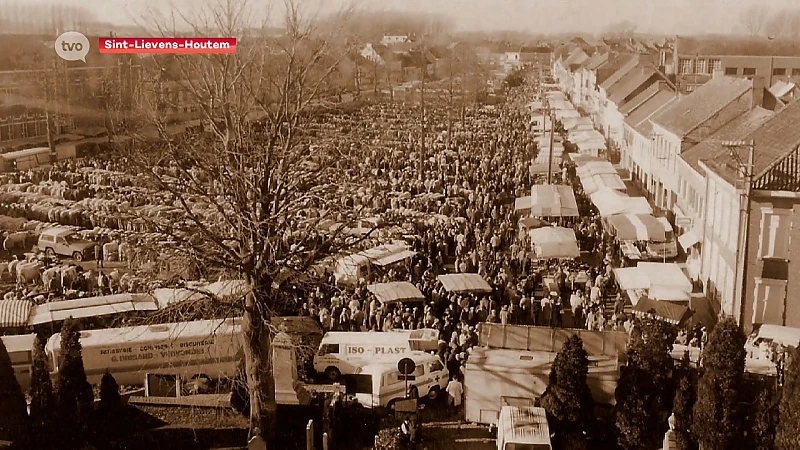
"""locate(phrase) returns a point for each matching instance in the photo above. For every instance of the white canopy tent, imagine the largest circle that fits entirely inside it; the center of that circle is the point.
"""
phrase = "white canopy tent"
(554, 242)
(597, 175)
(657, 281)
(610, 202)
(549, 200)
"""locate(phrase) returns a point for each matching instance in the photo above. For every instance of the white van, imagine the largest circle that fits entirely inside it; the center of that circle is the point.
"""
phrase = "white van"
(667, 249)
(207, 348)
(380, 384)
(342, 352)
(769, 335)
(523, 428)
(20, 349)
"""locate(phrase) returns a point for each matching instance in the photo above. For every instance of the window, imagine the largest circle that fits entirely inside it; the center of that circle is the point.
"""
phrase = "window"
(701, 66)
(749, 71)
(770, 297)
(686, 66)
(435, 367)
(327, 349)
(774, 237)
(714, 65)
(796, 72)
(731, 71)
(779, 71)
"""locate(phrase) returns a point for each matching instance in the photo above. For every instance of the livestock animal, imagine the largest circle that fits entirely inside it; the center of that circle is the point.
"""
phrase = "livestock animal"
(19, 242)
(29, 273)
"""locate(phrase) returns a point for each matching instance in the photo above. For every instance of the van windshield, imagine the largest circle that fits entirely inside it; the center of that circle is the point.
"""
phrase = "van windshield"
(512, 446)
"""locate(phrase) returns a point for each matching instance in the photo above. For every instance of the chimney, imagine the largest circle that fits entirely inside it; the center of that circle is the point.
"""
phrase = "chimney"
(759, 86)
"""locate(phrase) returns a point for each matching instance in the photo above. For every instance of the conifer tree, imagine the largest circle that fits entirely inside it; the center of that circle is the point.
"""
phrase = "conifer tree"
(74, 394)
(43, 402)
(13, 410)
(763, 419)
(685, 397)
(567, 399)
(788, 433)
(718, 419)
(110, 399)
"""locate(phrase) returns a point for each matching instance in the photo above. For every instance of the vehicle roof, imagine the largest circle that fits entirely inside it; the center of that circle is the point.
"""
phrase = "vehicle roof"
(526, 425)
(59, 231)
(19, 342)
(120, 336)
(785, 335)
(365, 337)
(386, 363)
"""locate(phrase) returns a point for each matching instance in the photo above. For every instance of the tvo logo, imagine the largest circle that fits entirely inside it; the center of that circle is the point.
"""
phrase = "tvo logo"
(72, 46)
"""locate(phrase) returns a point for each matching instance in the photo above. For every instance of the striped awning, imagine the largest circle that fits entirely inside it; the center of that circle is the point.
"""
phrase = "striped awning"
(15, 313)
(637, 227)
(550, 200)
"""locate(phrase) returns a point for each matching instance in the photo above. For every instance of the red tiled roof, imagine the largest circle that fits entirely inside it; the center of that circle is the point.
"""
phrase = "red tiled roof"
(775, 139)
(696, 108)
(711, 147)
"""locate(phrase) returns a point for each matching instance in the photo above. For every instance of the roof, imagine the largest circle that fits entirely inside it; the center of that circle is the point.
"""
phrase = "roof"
(609, 73)
(661, 310)
(123, 335)
(526, 425)
(577, 56)
(398, 291)
(710, 148)
(19, 342)
(464, 283)
(643, 96)
(595, 61)
(563, 51)
(26, 152)
(91, 307)
(631, 81)
(693, 110)
(781, 88)
(775, 139)
(639, 117)
(540, 49)
(712, 45)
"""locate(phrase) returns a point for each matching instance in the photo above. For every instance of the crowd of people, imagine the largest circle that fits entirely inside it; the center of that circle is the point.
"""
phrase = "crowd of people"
(463, 184)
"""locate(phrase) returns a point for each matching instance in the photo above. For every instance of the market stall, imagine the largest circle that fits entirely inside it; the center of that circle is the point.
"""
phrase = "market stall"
(554, 242)
(14, 313)
(656, 281)
(661, 310)
(464, 283)
(636, 227)
(394, 292)
(553, 200)
(598, 175)
(610, 202)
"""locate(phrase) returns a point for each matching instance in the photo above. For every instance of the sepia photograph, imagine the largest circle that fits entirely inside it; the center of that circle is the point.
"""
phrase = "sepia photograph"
(399, 225)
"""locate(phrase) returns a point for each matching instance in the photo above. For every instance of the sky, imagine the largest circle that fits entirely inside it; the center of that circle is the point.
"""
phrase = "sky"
(536, 16)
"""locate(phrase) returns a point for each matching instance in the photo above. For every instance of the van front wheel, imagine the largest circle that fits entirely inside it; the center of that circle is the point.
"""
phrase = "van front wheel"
(77, 256)
(433, 394)
(333, 374)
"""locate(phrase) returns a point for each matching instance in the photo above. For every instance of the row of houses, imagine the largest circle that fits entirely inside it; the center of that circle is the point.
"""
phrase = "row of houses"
(716, 151)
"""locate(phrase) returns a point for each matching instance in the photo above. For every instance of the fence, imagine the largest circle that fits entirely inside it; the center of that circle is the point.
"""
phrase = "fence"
(545, 339)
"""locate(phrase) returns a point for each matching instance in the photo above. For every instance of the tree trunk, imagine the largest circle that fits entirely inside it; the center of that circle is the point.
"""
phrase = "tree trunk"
(260, 382)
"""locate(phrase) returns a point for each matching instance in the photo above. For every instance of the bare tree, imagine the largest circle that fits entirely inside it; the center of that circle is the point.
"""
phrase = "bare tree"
(243, 187)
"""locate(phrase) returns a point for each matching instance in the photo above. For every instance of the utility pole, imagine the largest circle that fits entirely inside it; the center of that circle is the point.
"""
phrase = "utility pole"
(745, 206)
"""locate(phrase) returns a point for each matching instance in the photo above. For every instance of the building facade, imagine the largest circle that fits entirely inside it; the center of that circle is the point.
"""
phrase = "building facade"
(696, 60)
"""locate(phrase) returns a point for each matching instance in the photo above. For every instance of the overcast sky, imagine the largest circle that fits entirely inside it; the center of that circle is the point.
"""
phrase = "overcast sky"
(538, 16)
